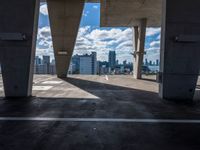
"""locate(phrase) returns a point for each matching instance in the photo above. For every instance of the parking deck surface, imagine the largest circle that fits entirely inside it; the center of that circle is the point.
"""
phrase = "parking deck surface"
(97, 113)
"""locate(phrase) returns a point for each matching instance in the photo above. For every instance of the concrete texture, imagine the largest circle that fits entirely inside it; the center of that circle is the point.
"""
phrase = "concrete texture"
(140, 34)
(96, 97)
(18, 31)
(180, 63)
(65, 16)
(127, 13)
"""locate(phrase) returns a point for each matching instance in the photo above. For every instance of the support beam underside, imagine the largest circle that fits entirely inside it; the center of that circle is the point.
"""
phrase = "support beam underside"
(65, 16)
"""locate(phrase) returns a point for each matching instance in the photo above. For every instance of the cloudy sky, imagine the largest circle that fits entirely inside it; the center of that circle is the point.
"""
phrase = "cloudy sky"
(93, 38)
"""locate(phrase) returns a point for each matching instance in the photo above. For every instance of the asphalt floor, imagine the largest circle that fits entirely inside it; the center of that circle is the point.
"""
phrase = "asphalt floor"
(98, 113)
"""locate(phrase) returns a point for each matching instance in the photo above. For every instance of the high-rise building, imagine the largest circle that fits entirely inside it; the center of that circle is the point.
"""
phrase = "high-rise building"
(75, 64)
(146, 62)
(46, 63)
(94, 62)
(53, 62)
(157, 62)
(150, 63)
(124, 62)
(112, 59)
(88, 64)
(38, 60)
(46, 59)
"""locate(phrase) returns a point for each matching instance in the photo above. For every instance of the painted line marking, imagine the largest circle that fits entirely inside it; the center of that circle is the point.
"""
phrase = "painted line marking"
(112, 120)
(41, 88)
(52, 82)
(36, 81)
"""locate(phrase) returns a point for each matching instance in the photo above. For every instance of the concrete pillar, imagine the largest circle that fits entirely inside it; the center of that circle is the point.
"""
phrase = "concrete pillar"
(65, 16)
(136, 35)
(140, 33)
(180, 49)
(18, 32)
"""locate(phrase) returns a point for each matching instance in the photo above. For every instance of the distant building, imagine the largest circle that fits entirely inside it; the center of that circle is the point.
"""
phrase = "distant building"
(103, 67)
(88, 64)
(124, 62)
(150, 63)
(75, 64)
(46, 59)
(53, 62)
(157, 62)
(43, 66)
(85, 65)
(71, 67)
(112, 59)
(39, 69)
(52, 69)
(117, 62)
(46, 63)
(146, 62)
(94, 62)
(38, 60)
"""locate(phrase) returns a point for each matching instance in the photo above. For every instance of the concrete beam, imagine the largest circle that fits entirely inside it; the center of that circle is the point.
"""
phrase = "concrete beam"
(18, 30)
(65, 16)
(127, 13)
(180, 44)
(140, 33)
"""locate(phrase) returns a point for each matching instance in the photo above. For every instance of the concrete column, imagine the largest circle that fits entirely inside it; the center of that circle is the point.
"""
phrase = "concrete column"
(136, 35)
(18, 32)
(140, 33)
(65, 16)
(180, 49)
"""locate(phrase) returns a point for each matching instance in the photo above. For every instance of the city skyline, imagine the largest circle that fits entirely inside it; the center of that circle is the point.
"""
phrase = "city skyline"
(52, 61)
(87, 64)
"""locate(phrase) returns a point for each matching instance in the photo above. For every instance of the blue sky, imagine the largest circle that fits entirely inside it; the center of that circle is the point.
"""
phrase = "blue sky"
(93, 38)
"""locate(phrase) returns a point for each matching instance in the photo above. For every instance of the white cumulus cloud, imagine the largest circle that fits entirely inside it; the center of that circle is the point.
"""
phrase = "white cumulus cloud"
(101, 40)
(43, 9)
(153, 31)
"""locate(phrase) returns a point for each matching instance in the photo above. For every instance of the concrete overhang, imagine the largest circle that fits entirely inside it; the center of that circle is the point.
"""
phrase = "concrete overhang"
(126, 13)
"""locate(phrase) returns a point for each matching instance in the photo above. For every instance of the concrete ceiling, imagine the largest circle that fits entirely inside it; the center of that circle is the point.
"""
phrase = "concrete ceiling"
(126, 13)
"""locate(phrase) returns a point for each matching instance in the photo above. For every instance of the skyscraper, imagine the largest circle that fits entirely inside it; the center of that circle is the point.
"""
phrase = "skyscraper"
(75, 64)
(46, 63)
(88, 64)
(112, 59)
(157, 62)
(94, 62)
(38, 60)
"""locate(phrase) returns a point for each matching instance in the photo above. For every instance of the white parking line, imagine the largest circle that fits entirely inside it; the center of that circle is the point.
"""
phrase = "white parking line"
(52, 82)
(41, 88)
(111, 120)
(41, 80)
